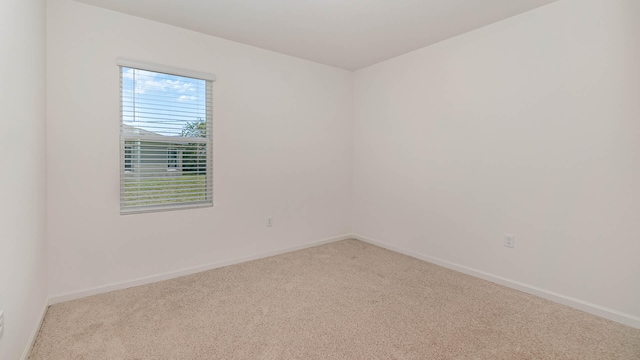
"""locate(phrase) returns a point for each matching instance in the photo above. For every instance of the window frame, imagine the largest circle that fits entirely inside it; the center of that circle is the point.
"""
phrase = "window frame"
(172, 158)
(126, 149)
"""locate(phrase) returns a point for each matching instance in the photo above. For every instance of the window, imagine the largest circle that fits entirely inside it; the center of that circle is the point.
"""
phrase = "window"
(165, 138)
(172, 159)
(127, 158)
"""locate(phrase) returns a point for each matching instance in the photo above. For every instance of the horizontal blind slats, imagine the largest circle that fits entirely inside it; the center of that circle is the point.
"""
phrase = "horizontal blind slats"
(166, 141)
(149, 140)
(151, 192)
(163, 196)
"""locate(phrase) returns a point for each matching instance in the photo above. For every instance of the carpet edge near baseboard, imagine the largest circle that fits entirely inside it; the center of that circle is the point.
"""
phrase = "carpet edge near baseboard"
(74, 295)
(34, 334)
(594, 309)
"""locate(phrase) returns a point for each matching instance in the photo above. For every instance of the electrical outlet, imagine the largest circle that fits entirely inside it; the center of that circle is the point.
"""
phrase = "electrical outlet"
(269, 221)
(1, 323)
(509, 240)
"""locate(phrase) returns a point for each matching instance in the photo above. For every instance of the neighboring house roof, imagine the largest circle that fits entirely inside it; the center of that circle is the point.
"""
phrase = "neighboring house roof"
(139, 131)
(150, 136)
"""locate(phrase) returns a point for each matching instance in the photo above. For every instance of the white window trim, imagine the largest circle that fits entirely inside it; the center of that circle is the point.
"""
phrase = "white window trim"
(170, 70)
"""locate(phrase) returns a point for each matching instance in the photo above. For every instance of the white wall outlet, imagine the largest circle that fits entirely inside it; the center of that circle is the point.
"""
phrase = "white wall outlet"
(1, 323)
(509, 240)
(270, 221)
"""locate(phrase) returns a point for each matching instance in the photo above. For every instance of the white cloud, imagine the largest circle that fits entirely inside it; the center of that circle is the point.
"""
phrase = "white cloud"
(164, 85)
(185, 98)
(147, 82)
(127, 73)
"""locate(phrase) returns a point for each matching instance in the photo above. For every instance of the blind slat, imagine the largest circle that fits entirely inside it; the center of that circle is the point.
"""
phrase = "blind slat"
(147, 140)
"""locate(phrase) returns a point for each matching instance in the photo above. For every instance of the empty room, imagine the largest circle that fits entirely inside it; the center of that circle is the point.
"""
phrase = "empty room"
(320, 179)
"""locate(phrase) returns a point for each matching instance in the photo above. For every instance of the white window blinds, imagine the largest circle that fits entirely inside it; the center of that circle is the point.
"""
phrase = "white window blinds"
(166, 138)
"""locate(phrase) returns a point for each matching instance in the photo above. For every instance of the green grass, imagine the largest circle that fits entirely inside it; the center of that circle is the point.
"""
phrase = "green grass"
(169, 190)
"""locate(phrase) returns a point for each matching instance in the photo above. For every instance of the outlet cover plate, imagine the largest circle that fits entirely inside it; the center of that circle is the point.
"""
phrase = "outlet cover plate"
(509, 240)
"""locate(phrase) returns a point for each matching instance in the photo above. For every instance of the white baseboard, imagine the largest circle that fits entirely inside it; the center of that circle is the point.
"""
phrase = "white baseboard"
(182, 272)
(34, 333)
(585, 306)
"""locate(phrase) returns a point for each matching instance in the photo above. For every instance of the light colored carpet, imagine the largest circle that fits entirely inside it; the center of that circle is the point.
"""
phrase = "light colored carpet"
(345, 300)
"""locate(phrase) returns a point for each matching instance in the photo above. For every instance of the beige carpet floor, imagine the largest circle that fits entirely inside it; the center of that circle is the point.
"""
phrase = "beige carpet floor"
(345, 300)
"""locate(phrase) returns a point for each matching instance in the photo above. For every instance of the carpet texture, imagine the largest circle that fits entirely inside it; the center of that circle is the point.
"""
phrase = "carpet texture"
(344, 300)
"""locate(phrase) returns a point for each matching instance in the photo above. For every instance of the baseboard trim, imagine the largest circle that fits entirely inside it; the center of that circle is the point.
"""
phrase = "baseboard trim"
(607, 313)
(585, 306)
(55, 299)
(34, 334)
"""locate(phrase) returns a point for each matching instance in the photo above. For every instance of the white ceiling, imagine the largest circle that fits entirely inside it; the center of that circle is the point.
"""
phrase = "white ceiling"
(349, 34)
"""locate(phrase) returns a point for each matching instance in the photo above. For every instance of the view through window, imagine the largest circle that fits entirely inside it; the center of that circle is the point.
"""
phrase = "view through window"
(165, 141)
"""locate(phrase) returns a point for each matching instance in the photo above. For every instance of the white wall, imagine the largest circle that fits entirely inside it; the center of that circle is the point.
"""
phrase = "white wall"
(529, 126)
(282, 148)
(22, 176)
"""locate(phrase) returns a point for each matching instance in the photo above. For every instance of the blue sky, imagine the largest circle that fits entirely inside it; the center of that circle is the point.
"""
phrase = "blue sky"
(161, 103)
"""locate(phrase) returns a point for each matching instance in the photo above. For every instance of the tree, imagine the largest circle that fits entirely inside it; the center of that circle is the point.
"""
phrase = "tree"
(195, 128)
(194, 154)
